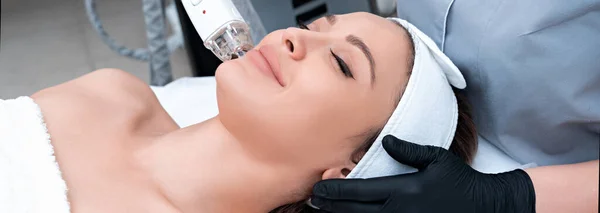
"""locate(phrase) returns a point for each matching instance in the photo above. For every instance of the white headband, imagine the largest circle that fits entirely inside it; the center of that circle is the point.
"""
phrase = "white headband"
(427, 113)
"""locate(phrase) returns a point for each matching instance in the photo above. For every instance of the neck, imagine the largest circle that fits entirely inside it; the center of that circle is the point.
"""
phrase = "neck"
(203, 168)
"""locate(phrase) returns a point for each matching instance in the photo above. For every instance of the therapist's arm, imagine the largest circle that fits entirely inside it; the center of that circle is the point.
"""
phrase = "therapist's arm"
(566, 188)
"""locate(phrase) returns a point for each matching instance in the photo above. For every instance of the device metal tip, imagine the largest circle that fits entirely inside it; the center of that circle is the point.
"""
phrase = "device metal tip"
(238, 54)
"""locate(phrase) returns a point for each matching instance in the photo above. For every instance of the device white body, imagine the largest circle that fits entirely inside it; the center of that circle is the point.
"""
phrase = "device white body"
(221, 27)
(208, 16)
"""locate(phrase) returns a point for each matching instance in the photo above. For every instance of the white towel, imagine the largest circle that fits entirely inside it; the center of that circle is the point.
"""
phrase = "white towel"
(427, 113)
(30, 180)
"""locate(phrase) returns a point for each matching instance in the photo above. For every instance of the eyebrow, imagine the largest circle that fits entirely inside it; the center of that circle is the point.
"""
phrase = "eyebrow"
(331, 19)
(357, 42)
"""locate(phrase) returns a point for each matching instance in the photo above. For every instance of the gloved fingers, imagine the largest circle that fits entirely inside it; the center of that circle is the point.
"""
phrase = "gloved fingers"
(417, 156)
(343, 206)
(364, 190)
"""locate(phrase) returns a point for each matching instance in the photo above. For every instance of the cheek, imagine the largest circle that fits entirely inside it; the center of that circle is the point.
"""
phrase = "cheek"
(271, 38)
(241, 84)
(267, 119)
(320, 116)
(310, 121)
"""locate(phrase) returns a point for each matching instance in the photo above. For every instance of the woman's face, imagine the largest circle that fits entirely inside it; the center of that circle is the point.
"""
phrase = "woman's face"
(290, 101)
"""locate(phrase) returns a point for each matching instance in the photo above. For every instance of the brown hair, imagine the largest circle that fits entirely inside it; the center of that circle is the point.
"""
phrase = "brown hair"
(464, 144)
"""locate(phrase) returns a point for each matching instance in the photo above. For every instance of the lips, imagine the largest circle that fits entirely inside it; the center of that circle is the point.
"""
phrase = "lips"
(266, 61)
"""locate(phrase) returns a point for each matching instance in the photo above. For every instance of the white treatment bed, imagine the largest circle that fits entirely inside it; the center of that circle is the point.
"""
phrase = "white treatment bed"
(193, 100)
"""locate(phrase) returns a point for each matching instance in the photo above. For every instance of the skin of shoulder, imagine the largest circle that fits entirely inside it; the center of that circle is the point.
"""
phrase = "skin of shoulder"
(112, 87)
(96, 122)
(100, 95)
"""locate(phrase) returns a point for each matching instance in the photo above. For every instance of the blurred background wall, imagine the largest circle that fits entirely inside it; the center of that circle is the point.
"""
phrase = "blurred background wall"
(44, 43)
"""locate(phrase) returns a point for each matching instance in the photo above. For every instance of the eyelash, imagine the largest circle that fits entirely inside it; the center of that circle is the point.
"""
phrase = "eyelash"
(303, 26)
(341, 63)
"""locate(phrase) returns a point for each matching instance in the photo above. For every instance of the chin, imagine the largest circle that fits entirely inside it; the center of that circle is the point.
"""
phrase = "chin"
(225, 69)
(235, 90)
(230, 77)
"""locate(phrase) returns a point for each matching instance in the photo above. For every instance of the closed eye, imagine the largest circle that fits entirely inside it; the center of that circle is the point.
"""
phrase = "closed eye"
(342, 65)
(303, 26)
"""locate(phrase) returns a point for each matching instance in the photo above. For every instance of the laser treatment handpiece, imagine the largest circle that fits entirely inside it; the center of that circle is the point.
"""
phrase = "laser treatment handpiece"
(220, 26)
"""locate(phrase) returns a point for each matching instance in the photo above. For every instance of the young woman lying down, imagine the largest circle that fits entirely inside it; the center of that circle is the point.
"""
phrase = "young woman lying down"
(305, 105)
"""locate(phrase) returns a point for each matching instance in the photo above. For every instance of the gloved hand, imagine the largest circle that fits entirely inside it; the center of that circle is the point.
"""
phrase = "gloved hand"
(444, 183)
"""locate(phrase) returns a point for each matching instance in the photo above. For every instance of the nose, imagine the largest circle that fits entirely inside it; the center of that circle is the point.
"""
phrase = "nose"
(295, 45)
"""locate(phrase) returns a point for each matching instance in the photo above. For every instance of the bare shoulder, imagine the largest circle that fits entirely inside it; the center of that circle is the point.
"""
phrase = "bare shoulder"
(112, 87)
(96, 122)
(102, 100)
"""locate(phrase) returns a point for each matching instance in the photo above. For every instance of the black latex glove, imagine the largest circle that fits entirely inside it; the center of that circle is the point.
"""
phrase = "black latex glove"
(444, 183)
